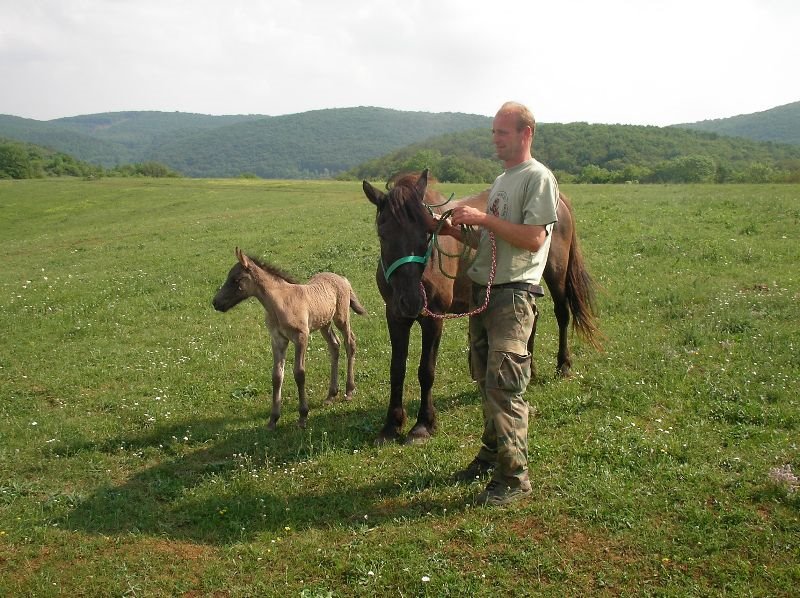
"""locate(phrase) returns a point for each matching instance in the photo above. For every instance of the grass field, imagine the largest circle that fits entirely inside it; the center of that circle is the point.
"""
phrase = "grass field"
(134, 459)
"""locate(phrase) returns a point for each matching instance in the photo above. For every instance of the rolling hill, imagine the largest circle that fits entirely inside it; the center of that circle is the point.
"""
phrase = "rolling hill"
(369, 141)
(306, 145)
(780, 124)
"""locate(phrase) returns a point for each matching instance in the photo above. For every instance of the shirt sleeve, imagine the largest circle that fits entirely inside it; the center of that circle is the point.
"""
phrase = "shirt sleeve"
(541, 201)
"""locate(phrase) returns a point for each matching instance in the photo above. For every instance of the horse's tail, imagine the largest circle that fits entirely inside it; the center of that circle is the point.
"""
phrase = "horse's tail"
(355, 304)
(580, 291)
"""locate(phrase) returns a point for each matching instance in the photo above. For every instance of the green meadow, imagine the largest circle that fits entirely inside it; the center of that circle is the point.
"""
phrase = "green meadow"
(134, 455)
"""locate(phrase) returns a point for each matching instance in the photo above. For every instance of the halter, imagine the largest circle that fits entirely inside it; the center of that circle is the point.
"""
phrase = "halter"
(387, 272)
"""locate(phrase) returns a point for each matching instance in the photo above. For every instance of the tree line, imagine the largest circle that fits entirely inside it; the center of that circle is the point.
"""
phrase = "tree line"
(577, 153)
(28, 161)
(583, 153)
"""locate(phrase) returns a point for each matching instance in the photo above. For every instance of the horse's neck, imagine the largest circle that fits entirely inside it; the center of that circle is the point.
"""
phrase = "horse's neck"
(269, 287)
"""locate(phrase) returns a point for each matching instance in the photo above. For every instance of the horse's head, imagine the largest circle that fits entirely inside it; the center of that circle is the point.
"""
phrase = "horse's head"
(404, 225)
(238, 286)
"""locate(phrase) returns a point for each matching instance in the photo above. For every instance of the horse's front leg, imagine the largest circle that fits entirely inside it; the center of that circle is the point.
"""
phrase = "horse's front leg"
(300, 346)
(426, 418)
(399, 333)
(279, 346)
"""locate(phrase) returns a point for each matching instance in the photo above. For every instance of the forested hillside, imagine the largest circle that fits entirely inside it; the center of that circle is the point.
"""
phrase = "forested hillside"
(580, 152)
(374, 143)
(307, 145)
(780, 124)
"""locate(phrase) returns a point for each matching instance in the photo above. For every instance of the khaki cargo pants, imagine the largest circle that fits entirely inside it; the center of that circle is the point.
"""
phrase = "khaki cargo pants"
(500, 364)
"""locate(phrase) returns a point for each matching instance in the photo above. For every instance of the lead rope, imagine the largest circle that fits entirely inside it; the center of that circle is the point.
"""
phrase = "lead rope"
(474, 312)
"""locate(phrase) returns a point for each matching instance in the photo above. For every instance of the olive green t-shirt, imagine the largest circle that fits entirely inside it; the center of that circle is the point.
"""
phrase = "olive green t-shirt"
(524, 194)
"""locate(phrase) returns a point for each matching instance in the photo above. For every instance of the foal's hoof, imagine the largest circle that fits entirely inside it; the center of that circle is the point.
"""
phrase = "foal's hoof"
(301, 423)
(272, 425)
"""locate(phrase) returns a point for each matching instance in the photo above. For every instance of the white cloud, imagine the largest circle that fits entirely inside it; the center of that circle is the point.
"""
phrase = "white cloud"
(658, 62)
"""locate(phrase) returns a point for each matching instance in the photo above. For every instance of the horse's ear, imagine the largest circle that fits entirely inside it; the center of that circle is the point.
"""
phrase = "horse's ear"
(422, 183)
(242, 259)
(376, 196)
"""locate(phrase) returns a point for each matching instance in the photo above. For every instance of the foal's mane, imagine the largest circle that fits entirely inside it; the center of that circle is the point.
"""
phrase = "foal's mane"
(274, 270)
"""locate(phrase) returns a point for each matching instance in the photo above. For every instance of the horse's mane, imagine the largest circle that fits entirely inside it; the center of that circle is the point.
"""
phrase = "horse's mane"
(401, 198)
(274, 270)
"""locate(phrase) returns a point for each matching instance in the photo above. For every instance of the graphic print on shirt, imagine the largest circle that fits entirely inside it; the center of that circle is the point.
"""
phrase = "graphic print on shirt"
(499, 206)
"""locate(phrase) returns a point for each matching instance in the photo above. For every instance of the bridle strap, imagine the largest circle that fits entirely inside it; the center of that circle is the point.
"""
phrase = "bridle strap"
(418, 259)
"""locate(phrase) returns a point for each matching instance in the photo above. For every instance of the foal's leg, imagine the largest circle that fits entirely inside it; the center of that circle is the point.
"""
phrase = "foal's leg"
(300, 346)
(426, 418)
(350, 350)
(333, 352)
(279, 345)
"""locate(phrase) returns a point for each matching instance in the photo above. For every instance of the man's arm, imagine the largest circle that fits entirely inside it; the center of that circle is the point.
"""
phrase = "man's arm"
(524, 236)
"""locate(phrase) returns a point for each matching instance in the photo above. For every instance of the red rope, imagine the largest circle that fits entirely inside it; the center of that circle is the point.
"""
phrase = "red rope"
(474, 312)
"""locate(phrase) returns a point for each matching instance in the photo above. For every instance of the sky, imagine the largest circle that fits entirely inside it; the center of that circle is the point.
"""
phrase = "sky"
(646, 62)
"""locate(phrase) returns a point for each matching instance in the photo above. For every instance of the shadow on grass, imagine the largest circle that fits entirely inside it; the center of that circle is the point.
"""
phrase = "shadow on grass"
(203, 490)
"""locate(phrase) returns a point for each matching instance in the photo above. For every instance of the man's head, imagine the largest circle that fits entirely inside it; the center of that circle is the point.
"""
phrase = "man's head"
(512, 133)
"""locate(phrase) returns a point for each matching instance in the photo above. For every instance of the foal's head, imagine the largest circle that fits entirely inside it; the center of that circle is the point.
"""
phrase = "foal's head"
(404, 226)
(242, 281)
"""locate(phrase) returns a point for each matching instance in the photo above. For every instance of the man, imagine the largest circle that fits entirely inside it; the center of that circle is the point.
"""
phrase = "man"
(520, 213)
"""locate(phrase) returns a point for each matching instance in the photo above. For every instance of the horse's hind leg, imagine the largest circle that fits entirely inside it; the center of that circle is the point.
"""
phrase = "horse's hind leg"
(564, 360)
(532, 341)
(333, 351)
(279, 346)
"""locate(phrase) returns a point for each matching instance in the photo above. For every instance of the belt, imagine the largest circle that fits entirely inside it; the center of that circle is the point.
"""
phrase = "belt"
(534, 289)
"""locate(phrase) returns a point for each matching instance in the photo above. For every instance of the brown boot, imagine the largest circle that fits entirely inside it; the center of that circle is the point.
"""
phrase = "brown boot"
(477, 469)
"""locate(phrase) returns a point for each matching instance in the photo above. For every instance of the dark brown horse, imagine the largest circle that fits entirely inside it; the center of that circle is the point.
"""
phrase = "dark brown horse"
(409, 256)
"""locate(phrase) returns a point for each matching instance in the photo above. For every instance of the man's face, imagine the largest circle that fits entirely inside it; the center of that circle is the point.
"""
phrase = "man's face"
(508, 142)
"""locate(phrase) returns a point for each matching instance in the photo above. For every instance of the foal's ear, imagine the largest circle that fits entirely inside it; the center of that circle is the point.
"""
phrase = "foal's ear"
(376, 196)
(243, 260)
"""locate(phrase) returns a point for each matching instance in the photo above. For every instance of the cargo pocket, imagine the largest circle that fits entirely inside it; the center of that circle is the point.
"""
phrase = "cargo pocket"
(509, 370)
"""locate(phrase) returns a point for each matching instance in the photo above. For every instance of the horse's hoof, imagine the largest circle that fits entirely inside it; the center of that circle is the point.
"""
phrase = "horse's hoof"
(271, 426)
(417, 436)
(328, 402)
(302, 423)
(386, 438)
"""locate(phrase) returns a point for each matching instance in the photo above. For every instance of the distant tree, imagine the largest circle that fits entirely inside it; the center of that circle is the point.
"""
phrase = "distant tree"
(15, 162)
(686, 169)
(594, 174)
(423, 159)
(758, 172)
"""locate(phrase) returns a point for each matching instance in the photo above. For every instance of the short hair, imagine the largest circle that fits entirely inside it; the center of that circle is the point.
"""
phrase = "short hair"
(523, 113)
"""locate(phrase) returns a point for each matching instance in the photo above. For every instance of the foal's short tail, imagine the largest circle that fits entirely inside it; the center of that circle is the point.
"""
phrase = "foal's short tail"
(580, 291)
(355, 305)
